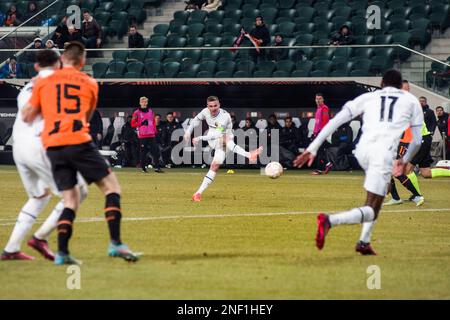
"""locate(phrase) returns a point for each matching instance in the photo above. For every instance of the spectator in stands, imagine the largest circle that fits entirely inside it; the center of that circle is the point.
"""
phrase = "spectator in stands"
(31, 11)
(289, 136)
(192, 5)
(13, 17)
(96, 128)
(343, 37)
(31, 55)
(322, 117)
(428, 115)
(144, 121)
(91, 32)
(130, 140)
(11, 70)
(261, 36)
(170, 125)
(135, 39)
(303, 139)
(277, 54)
(49, 44)
(211, 5)
(251, 133)
(73, 35)
(61, 33)
(341, 146)
(442, 120)
(234, 122)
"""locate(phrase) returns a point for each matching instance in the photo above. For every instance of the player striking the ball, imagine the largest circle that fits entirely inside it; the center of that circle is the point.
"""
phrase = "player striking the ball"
(220, 139)
(386, 114)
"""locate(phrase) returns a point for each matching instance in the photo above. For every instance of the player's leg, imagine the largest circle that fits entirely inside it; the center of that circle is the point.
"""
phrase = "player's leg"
(143, 151)
(39, 196)
(252, 155)
(219, 158)
(110, 187)
(394, 193)
(156, 154)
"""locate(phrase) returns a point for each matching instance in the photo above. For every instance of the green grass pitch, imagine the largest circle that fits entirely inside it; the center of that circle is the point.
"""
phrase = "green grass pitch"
(250, 238)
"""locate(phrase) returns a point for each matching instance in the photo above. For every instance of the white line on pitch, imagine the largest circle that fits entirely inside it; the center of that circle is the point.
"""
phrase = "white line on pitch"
(232, 215)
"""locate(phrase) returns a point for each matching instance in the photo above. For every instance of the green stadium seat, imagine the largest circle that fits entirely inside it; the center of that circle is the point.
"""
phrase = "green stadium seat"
(323, 54)
(195, 30)
(153, 69)
(227, 41)
(161, 29)
(322, 6)
(325, 27)
(402, 38)
(176, 41)
(268, 66)
(361, 53)
(205, 74)
(250, 13)
(175, 55)
(154, 55)
(180, 30)
(197, 16)
(213, 41)
(286, 4)
(319, 73)
(211, 55)
(120, 15)
(286, 29)
(363, 40)
(134, 69)
(262, 74)
(121, 5)
(380, 64)
(181, 16)
(382, 39)
(195, 42)
(323, 16)
(304, 40)
(216, 15)
(120, 55)
(187, 74)
(281, 74)
(104, 7)
(170, 69)
(285, 65)
(118, 27)
(322, 65)
(233, 15)
(395, 4)
(226, 55)
(362, 65)
(305, 28)
(137, 4)
(207, 65)
(245, 65)
(234, 3)
(88, 4)
(360, 73)
(136, 15)
(214, 27)
(138, 55)
(158, 41)
(399, 26)
(116, 69)
(242, 74)
(223, 74)
(99, 69)
(307, 13)
(31, 71)
(440, 20)
(227, 66)
(102, 17)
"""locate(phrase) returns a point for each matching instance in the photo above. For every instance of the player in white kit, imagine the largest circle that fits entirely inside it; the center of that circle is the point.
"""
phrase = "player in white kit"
(219, 137)
(35, 172)
(386, 114)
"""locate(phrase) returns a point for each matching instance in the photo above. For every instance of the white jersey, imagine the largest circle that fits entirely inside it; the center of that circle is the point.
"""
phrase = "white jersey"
(218, 126)
(24, 132)
(387, 113)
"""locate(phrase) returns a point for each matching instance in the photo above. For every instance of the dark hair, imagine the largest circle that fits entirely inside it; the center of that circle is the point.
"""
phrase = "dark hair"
(46, 58)
(170, 112)
(422, 97)
(212, 98)
(157, 115)
(12, 58)
(133, 26)
(74, 52)
(439, 107)
(405, 81)
(273, 116)
(318, 94)
(288, 117)
(392, 78)
(86, 11)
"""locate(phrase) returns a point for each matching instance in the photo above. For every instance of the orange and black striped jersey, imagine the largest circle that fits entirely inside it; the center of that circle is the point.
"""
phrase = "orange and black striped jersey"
(65, 99)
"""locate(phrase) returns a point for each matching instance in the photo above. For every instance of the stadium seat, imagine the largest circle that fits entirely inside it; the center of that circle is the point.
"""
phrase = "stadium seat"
(281, 74)
(227, 41)
(161, 29)
(359, 53)
(362, 65)
(285, 65)
(262, 74)
(233, 15)
(193, 55)
(286, 4)
(303, 69)
(170, 69)
(195, 30)
(242, 74)
(303, 28)
(223, 74)
(216, 16)
(153, 69)
(245, 65)
(212, 40)
(319, 73)
(181, 16)
(382, 39)
(205, 74)
(227, 66)
(134, 69)
(323, 54)
(286, 29)
(213, 28)
(120, 5)
(120, 55)
(158, 41)
(322, 65)
(138, 55)
(197, 16)
(226, 55)
(267, 66)
(99, 69)
(116, 69)
(195, 42)
(269, 15)
(211, 55)
(176, 41)
(304, 40)
(154, 55)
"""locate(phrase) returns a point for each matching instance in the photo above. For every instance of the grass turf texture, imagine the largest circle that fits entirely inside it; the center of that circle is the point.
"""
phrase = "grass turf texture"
(219, 253)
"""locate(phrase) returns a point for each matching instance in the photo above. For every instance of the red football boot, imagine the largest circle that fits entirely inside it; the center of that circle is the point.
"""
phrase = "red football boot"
(365, 249)
(197, 197)
(41, 246)
(15, 256)
(323, 226)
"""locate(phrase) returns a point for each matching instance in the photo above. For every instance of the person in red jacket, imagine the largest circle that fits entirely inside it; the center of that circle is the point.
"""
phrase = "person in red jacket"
(144, 120)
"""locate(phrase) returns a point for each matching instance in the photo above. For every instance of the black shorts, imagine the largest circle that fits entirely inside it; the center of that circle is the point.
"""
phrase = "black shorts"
(84, 158)
(423, 157)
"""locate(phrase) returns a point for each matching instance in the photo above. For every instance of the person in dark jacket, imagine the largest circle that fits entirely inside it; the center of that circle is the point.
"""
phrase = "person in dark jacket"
(261, 35)
(135, 39)
(343, 37)
(289, 136)
(170, 125)
(61, 33)
(277, 54)
(442, 120)
(130, 139)
(91, 32)
(31, 11)
(73, 35)
(96, 128)
(428, 115)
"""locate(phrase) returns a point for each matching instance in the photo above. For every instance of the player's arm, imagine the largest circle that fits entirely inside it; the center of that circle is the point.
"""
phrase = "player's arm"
(195, 122)
(29, 113)
(345, 115)
(33, 107)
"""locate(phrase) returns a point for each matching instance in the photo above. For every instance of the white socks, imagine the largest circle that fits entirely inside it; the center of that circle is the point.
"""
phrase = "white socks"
(354, 216)
(207, 180)
(30, 211)
(366, 231)
(50, 223)
(233, 147)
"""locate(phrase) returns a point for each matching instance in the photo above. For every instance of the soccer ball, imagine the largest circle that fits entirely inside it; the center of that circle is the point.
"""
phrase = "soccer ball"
(273, 170)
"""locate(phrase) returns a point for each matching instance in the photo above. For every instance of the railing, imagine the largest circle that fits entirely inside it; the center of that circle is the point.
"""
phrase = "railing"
(298, 62)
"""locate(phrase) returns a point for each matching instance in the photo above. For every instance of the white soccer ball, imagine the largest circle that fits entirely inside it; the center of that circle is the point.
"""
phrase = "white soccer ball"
(273, 170)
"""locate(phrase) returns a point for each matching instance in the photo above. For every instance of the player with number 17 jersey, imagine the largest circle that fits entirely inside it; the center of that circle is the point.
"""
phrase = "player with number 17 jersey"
(66, 100)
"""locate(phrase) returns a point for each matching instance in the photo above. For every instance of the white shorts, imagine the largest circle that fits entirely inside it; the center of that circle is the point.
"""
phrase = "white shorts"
(34, 168)
(377, 162)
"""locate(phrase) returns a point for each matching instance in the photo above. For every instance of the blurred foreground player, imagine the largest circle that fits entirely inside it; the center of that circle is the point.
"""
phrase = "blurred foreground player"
(66, 99)
(386, 114)
(35, 172)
